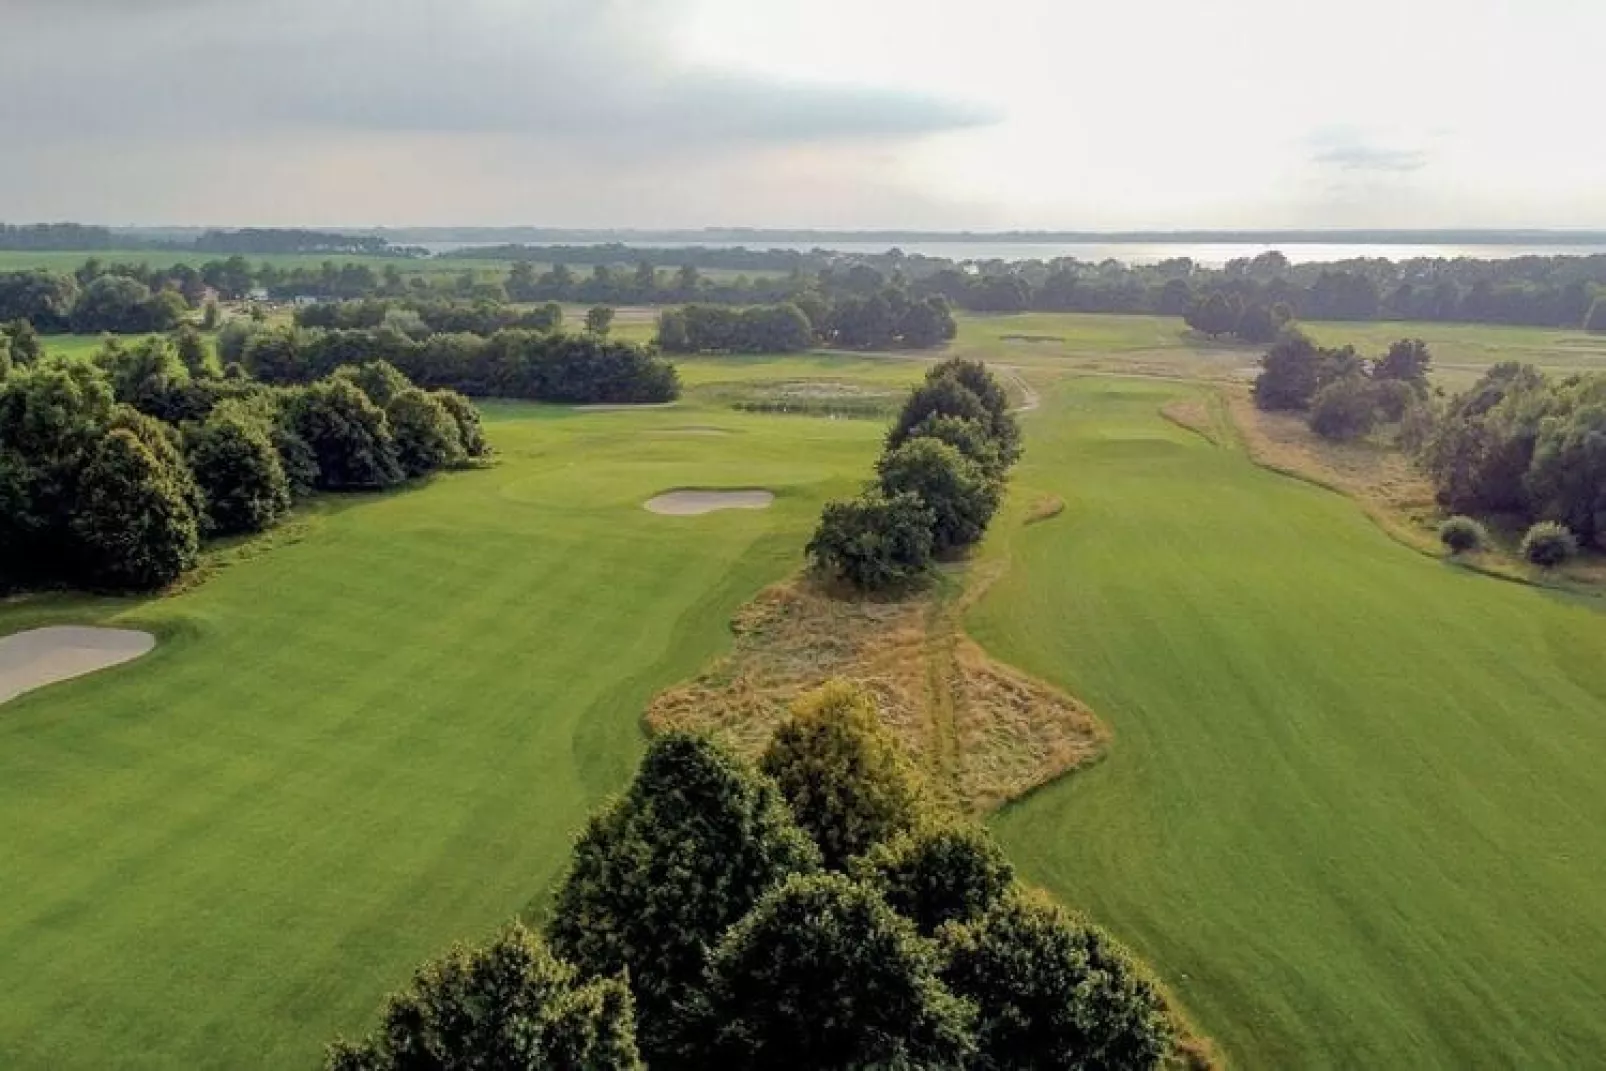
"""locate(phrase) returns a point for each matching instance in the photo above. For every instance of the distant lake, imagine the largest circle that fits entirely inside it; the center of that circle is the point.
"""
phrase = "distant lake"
(1213, 255)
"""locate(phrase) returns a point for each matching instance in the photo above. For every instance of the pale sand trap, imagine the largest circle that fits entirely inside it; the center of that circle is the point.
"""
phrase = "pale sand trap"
(42, 656)
(691, 503)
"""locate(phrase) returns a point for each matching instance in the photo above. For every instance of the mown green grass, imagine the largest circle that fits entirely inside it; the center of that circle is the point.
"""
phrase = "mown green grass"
(1353, 811)
(373, 737)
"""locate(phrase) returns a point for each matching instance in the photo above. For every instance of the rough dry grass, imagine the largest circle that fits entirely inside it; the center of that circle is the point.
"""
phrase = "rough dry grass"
(983, 732)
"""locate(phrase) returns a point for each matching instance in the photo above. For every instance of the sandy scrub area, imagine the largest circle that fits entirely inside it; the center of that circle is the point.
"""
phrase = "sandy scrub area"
(692, 503)
(42, 656)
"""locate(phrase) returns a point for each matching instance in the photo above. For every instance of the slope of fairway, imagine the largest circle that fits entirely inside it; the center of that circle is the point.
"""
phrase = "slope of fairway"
(1353, 809)
(372, 739)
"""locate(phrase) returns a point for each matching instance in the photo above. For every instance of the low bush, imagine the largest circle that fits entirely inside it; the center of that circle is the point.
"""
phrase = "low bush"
(1463, 534)
(1548, 544)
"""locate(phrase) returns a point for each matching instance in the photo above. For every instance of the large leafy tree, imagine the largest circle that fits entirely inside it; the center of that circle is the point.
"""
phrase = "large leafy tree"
(510, 1006)
(135, 529)
(239, 471)
(875, 541)
(844, 775)
(961, 497)
(970, 437)
(975, 377)
(1567, 478)
(348, 435)
(427, 437)
(1408, 361)
(943, 396)
(1054, 993)
(469, 431)
(824, 976)
(661, 874)
(940, 873)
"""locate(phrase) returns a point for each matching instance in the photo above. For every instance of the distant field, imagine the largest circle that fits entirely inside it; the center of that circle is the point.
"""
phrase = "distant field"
(1352, 811)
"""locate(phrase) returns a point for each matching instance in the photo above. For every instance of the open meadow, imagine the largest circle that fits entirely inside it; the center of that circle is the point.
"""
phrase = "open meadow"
(1350, 812)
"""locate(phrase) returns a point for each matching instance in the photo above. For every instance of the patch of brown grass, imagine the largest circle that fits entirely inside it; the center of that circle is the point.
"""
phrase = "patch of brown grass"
(982, 732)
(1044, 507)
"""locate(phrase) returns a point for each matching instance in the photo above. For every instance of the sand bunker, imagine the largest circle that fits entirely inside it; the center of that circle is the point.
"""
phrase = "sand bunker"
(691, 503)
(42, 656)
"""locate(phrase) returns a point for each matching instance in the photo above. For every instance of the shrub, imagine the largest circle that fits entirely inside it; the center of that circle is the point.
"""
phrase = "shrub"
(425, 433)
(348, 435)
(661, 874)
(1548, 544)
(961, 497)
(1463, 534)
(135, 528)
(240, 472)
(823, 975)
(1053, 992)
(847, 780)
(874, 542)
(950, 872)
(467, 417)
(1344, 409)
(511, 1004)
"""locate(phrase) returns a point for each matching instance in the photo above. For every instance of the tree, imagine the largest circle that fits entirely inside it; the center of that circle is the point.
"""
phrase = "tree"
(166, 445)
(937, 874)
(511, 1005)
(211, 315)
(943, 396)
(1346, 409)
(195, 355)
(961, 497)
(599, 319)
(381, 381)
(147, 375)
(969, 437)
(975, 377)
(823, 976)
(1287, 377)
(927, 323)
(848, 782)
(133, 524)
(1407, 361)
(874, 542)
(24, 343)
(1548, 544)
(425, 432)
(348, 435)
(661, 874)
(1566, 480)
(239, 471)
(1053, 992)
(1211, 315)
(469, 431)
(113, 303)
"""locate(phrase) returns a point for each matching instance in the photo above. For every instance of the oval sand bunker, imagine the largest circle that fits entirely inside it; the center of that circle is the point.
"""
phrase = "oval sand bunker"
(42, 656)
(691, 503)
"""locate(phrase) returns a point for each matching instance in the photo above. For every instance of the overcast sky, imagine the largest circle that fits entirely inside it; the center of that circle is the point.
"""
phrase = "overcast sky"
(1068, 114)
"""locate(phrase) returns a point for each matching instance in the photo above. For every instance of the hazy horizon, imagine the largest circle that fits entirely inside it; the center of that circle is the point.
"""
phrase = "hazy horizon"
(828, 115)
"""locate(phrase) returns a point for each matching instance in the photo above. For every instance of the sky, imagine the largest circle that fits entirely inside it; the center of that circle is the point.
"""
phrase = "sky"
(929, 114)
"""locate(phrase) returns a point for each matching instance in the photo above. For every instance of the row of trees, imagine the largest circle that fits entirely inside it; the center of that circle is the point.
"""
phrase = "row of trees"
(887, 319)
(52, 302)
(940, 480)
(420, 316)
(1526, 445)
(113, 471)
(1345, 395)
(816, 913)
(549, 366)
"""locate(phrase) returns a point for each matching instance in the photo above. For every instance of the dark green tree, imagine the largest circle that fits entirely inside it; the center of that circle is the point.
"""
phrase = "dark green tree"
(1288, 378)
(977, 378)
(823, 976)
(942, 872)
(240, 472)
(970, 437)
(509, 1006)
(1566, 480)
(469, 431)
(1345, 409)
(961, 497)
(1595, 319)
(874, 542)
(133, 526)
(425, 433)
(599, 319)
(348, 435)
(1054, 993)
(380, 380)
(195, 355)
(847, 781)
(661, 874)
(24, 345)
(1407, 361)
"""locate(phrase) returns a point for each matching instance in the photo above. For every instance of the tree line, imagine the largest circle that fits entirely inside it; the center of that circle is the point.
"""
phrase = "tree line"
(939, 481)
(886, 319)
(544, 366)
(817, 912)
(114, 470)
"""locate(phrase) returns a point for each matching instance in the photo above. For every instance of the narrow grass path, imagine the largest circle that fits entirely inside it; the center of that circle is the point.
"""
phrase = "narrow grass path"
(1353, 809)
